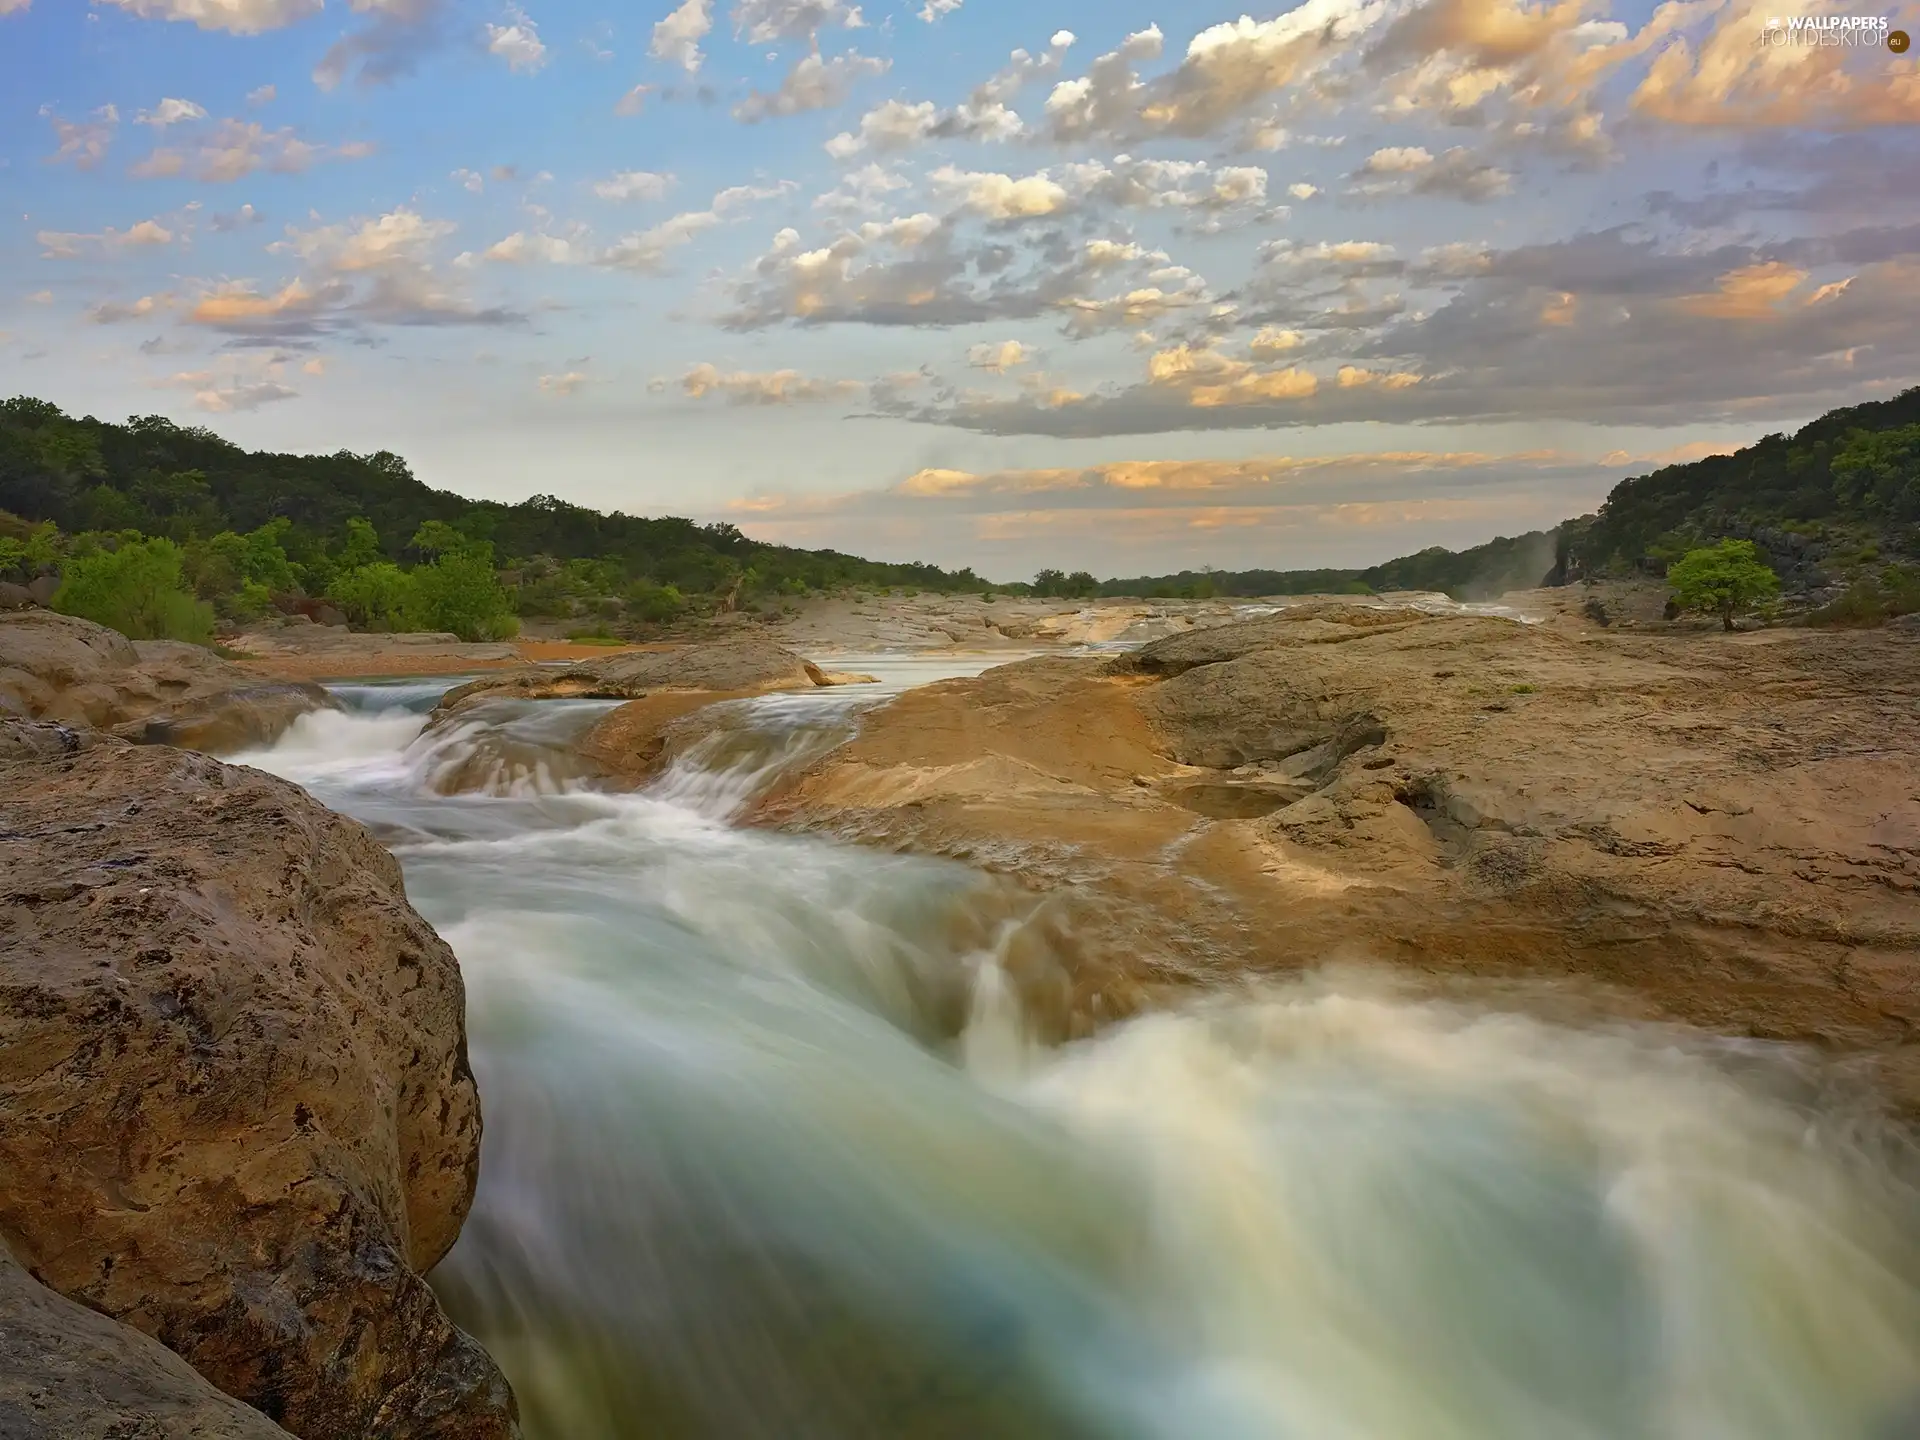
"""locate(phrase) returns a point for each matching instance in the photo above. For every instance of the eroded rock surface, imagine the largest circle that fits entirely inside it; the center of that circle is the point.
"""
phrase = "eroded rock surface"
(235, 1107)
(1720, 830)
(60, 668)
(744, 665)
(67, 1373)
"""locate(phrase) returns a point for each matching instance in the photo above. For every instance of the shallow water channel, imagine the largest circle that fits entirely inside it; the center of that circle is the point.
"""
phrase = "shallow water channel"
(769, 1153)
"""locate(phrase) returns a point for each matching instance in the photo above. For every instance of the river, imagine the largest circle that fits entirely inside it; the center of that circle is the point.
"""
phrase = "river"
(769, 1153)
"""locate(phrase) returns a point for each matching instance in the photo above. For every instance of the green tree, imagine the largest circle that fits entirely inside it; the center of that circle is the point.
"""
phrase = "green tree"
(379, 596)
(362, 546)
(1725, 580)
(265, 561)
(138, 588)
(459, 592)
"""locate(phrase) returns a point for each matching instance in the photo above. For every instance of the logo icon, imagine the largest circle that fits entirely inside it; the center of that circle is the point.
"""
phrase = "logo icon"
(1898, 42)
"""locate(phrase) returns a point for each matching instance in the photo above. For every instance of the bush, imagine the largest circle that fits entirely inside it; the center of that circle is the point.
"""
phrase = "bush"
(1872, 601)
(657, 604)
(138, 588)
(376, 597)
(1726, 580)
(459, 592)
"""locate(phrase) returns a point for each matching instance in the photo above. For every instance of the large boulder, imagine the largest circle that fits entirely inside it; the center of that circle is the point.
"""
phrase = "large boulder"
(68, 670)
(235, 1106)
(67, 1373)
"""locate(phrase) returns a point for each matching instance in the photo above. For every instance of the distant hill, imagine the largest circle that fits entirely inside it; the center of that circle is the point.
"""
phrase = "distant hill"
(1838, 497)
(187, 483)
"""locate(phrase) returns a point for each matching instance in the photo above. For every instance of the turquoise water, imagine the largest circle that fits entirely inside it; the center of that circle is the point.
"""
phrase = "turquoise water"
(769, 1152)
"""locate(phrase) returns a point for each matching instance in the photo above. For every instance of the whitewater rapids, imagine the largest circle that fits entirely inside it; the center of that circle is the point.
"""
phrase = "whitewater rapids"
(769, 1153)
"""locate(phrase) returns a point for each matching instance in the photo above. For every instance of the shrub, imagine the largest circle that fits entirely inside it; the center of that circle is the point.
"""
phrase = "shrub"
(137, 588)
(377, 596)
(460, 593)
(1726, 580)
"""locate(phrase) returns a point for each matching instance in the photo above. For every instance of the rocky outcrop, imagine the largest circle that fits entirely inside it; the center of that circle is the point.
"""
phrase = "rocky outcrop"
(743, 665)
(67, 1373)
(1722, 830)
(235, 1107)
(61, 668)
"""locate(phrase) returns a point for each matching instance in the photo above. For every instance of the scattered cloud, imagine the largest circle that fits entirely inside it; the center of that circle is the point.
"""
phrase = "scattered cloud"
(225, 395)
(677, 38)
(114, 312)
(170, 112)
(1007, 355)
(231, 150)
(771, 387)
(634, 185)
(239, 17)
(82, 143)
(264, 95)
(648, 251)
(770, 22)
(811, 84)
(569, 383)
(65, 245)
(517, 42)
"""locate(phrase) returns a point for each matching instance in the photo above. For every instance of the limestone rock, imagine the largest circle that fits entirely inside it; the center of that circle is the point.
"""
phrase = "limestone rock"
(67, 1373)
(68, 670)
(235, 1106)
(741, 665)
(1723, 830)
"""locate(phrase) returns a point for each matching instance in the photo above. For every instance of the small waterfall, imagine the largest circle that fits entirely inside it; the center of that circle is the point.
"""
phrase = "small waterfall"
(772, 1151)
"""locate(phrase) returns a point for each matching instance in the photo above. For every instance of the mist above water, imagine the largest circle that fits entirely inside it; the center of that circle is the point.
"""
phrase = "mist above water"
(770, 1152)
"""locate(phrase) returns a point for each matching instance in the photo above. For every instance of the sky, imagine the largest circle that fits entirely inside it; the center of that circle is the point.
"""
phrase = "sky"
(1103, 284)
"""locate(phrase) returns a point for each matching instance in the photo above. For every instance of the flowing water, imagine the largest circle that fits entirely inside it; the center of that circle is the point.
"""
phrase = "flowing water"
(769, 1153)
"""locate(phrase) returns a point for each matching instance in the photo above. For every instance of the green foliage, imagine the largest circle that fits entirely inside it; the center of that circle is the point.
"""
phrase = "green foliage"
(187, 483)
(26, 550)
(138, 588)
(1078, 586)
(460, 593)
(1873, 599)
(377, 596)
(362, 545)
(655, 604)
(1726, 580)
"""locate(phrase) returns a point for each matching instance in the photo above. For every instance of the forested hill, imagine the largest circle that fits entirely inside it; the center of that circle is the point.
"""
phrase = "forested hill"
(1834, 500)
(187, 483)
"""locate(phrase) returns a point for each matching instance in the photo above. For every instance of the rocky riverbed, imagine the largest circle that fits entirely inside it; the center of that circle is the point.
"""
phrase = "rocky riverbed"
(237, 1120)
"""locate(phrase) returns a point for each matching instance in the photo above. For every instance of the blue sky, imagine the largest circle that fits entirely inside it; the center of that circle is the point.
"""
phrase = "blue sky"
(1111, 285)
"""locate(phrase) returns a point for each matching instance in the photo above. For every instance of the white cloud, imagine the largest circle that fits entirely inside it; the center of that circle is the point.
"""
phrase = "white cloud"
(170, 112)
(262, 96)
(518, 43)
(811, 84)
(241, 17)
(83, 143)
(647, 251)
(773, 387)
(66, 245)
(767, 22)
(634, 185)
(524, 247)
(1303, 191)
(470, 180)
(235, 149)
(1007, 355)
(934, 9)
(569, 383)
(113, 312)
(223, 397)
(677, 38)
(1399, 160)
